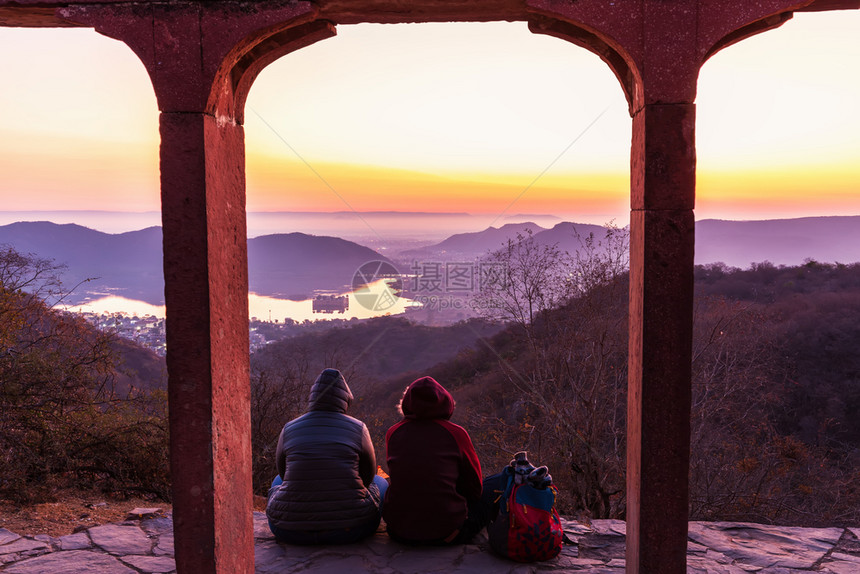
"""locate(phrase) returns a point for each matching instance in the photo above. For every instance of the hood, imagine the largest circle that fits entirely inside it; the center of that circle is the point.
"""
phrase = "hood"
(330, 393)
(426, 399)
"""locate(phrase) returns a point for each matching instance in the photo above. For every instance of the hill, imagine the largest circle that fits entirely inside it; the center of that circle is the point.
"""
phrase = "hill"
(735, 243)
(128, 262)
(371, 350)
(288, 265)
(570, 236)
(137, 367)
(780, 241)
(292, 265)
(774, 432)
(470, 245)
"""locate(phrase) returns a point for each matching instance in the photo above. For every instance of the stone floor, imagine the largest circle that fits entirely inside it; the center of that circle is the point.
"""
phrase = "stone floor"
(714, 547)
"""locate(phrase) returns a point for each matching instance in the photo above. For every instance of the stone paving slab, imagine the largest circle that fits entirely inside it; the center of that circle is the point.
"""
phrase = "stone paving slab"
(146, 546)
(839, 568)
(70, 562)
(77, 541)
(121, 539)
(162, 525)
(151, 564)
(7, 536)
(24, 545)
(764, 546)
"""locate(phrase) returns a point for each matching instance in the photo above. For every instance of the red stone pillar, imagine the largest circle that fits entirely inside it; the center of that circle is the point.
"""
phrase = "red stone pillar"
(202, 59)
(663, 167)
(206, 293)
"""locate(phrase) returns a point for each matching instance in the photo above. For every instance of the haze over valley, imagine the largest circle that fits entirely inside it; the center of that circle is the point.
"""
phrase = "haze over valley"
(296, 266)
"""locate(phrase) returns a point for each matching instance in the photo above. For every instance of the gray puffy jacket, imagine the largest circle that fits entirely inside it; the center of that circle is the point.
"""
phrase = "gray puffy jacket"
(327, 463)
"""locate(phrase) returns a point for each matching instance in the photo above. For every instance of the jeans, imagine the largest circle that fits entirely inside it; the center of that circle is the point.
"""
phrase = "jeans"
(339, 536)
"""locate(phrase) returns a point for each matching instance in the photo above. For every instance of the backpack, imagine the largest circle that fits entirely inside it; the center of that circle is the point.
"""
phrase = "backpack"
(527, 527)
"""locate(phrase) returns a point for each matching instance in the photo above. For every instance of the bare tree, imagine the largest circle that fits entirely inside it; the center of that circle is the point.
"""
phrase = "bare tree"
(742, 466)
(529, 279)
(572, 378)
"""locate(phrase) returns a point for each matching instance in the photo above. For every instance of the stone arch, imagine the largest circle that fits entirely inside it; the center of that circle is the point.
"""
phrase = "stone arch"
(244, 62)
(610, 52)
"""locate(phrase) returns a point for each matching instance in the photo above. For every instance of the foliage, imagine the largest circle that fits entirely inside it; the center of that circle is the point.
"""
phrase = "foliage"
(61, 420)
(735, 460)
(775, 437)
(775, 381)
(775, 388)
(570, 378)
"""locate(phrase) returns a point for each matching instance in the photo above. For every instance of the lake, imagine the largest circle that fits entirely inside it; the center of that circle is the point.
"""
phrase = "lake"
(264, 308)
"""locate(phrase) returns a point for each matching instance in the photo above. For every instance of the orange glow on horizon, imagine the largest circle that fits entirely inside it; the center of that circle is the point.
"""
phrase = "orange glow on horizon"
(65, 173)
(277, 185)
(491, 107)
(788, 192)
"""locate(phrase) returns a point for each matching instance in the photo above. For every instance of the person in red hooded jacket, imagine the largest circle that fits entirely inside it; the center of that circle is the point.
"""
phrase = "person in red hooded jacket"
(435, 475)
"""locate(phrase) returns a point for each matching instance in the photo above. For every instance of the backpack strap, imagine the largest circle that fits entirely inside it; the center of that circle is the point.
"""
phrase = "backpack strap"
(509, 487)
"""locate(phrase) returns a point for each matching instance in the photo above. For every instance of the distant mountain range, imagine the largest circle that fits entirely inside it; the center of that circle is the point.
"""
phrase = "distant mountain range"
(780, 241)
(288, 266)
(735, 243)
(127, 264)
(394, 226)
(468, 246)
(293, 265)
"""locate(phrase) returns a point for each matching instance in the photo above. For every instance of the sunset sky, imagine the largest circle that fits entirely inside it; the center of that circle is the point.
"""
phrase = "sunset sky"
(445, 117)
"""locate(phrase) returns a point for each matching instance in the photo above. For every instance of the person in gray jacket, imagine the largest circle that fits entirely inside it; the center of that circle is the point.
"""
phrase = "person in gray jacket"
(327, 490)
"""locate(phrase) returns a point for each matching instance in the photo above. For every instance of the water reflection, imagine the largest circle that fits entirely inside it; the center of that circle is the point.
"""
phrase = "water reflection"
(116, 304)
(259, 307)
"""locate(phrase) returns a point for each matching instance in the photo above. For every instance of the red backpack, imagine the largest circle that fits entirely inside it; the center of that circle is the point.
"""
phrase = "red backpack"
(527, 528)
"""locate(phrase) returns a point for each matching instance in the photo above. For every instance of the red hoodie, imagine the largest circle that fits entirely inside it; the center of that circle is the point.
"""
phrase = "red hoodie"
(432, 465)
